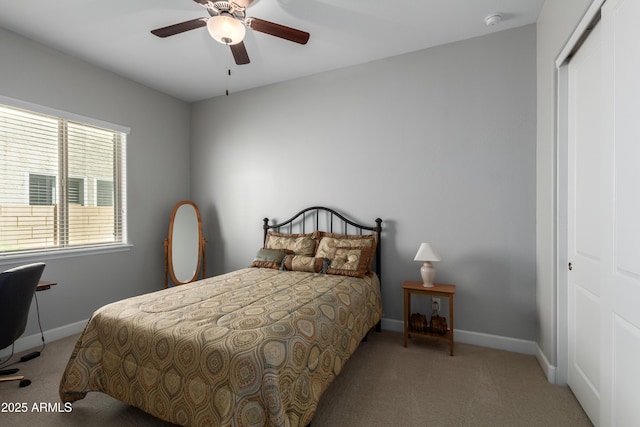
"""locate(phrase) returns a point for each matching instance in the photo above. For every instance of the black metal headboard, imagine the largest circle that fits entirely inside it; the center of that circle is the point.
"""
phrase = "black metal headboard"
(320, 218)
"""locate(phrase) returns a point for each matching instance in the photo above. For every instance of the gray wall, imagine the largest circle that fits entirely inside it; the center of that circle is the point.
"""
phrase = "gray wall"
(556, 22)
(157, 161)
(439, 143)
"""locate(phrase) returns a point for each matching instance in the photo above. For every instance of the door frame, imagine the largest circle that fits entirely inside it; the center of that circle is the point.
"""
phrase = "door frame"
(581, 32)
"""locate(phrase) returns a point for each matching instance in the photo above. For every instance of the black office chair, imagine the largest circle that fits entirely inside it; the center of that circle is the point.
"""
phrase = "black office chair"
(17, 287)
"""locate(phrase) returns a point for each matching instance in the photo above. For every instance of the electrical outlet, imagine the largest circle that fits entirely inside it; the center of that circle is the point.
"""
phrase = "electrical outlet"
(435, 304)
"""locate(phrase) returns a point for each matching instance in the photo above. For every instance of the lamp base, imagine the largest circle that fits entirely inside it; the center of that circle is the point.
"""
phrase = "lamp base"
(428, 273)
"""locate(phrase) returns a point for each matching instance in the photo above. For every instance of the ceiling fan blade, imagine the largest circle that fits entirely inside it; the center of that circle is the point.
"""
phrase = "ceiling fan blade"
(240, 53)
(179, 28)
(278, 30)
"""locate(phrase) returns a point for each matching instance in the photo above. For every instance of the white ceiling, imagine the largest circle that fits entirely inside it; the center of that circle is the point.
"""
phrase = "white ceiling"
(114, 34)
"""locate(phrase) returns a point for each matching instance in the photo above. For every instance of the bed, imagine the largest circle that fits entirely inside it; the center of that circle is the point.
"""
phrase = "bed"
(253, 347)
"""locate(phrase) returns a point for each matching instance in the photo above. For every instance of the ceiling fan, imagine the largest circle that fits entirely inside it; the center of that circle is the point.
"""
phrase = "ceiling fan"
(227, 24)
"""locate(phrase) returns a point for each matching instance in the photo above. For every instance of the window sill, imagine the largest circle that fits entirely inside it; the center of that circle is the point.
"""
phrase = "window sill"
(38, 256)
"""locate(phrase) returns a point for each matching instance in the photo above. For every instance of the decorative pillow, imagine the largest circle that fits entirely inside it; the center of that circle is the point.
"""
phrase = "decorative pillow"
(269, 258)
(305, 263)
(330, 242)
(349, 262)
(299, 244)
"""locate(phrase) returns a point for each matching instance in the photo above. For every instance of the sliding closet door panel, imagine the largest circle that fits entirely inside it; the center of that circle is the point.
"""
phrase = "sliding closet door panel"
(585, 227)
(603, 217)
(622, 72)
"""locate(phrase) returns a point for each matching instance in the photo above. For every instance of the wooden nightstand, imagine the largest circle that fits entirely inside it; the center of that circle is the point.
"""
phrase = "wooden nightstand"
(438, 290)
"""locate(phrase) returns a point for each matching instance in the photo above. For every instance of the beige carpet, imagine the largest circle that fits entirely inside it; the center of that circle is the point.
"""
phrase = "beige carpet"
(384, 384)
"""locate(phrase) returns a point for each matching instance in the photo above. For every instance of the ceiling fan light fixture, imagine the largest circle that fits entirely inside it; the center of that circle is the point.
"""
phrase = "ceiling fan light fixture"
(226, 30)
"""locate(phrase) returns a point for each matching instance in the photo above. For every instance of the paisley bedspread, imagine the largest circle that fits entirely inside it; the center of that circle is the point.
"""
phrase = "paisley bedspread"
(253, 347)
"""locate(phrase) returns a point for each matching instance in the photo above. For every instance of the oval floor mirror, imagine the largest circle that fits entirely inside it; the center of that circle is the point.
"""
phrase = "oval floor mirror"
(184, 248)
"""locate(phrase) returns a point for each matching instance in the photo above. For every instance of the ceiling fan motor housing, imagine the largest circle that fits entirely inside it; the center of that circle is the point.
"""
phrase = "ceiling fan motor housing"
(227, 7)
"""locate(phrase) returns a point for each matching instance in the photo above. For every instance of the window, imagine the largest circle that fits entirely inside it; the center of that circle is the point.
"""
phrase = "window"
(104, 192)
(75, 194)
(42, 190)
(62, 182)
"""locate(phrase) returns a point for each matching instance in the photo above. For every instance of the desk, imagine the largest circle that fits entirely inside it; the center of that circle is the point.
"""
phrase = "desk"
(44, 285)
(438, 290)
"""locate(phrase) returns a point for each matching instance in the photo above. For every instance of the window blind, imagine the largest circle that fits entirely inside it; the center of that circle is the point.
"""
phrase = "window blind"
(63, 183)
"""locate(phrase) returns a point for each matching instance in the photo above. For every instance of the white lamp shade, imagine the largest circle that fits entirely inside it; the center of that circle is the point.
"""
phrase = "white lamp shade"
(226, 30)
(426, 253)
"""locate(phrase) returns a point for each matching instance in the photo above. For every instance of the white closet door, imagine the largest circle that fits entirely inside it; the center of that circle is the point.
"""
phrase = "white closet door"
(585, 227)
(620, 372)
(604, 218)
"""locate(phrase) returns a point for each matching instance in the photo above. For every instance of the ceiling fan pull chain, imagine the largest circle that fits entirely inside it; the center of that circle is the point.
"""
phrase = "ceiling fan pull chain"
(228, 72)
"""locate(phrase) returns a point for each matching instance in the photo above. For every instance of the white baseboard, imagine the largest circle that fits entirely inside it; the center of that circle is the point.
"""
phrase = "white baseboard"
(35, 341)
(549, 370)
(477, 338)
(392, 325)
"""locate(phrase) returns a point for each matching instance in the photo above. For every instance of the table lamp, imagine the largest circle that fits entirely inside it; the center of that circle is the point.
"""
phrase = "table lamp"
(427, 271)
